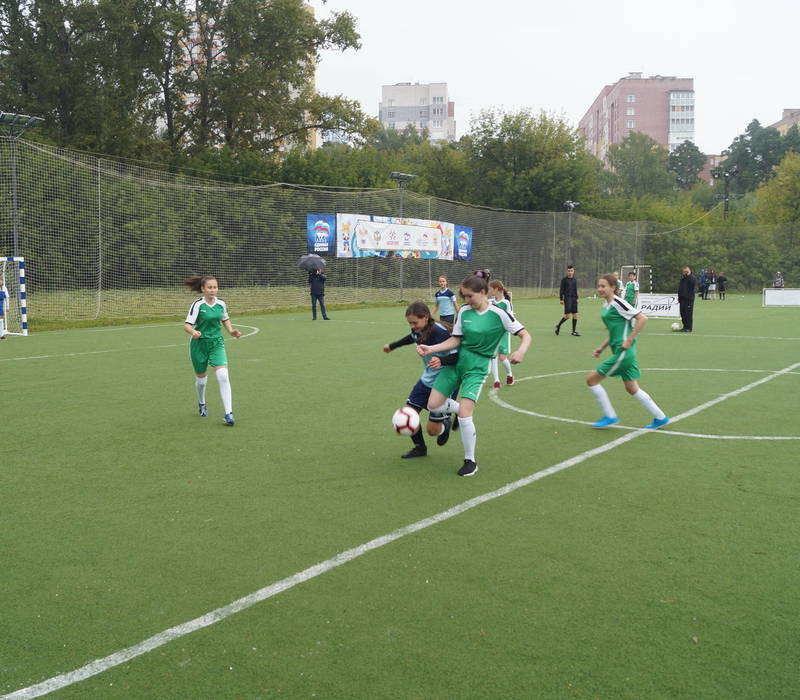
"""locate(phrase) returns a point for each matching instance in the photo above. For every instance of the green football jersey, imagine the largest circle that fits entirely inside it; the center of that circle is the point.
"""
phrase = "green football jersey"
(618, 317)
(630, 291)
(481, 332)
(208, 318)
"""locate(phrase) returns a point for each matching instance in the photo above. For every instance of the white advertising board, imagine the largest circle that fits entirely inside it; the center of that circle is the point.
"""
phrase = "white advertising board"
(660, 305)
(781, 297)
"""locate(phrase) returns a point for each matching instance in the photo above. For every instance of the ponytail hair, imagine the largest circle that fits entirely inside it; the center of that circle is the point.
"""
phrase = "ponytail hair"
(420, 310)
(197, 282)
(475, 283)
(497, 284)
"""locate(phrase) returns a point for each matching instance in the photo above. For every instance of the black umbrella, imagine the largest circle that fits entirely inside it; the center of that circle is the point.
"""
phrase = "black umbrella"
(310, 262)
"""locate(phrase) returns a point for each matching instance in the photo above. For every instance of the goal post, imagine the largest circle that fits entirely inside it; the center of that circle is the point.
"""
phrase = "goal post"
(644, 276)
(13, 298)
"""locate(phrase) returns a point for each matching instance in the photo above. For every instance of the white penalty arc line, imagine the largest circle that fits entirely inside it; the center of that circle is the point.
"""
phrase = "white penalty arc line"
(158, 640)
(253, 331)
(493, 395)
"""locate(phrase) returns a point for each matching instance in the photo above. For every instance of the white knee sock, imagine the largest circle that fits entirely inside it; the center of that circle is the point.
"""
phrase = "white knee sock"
(449, 406)
(468, 436)
(644, 398)
(225, 389)
(602, 398)
(200, 385)
(507, 365)
(2, 326)
(495, 373)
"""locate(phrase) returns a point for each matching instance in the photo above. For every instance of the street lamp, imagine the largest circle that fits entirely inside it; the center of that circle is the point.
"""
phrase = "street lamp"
(402, 180)
(726, 176)
(12, 126)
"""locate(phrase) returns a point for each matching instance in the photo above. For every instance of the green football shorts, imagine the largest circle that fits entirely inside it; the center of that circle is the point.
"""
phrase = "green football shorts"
(207, 351)
(469, 373)
(621, 364)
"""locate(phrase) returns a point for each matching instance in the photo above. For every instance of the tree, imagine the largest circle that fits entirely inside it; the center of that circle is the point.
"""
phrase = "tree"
(686, 161)
(526, 161)
(111, 75)
(640, 165)
(753, 155)
(778, 201)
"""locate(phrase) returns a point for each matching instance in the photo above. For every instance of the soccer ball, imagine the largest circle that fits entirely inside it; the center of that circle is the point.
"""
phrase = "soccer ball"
(676, 326)
(405, 421)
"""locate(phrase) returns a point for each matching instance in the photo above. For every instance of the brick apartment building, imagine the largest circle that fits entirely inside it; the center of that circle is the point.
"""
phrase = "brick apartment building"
(662, 107)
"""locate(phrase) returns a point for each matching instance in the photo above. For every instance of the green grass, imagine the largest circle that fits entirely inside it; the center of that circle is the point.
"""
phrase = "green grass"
(666, 567)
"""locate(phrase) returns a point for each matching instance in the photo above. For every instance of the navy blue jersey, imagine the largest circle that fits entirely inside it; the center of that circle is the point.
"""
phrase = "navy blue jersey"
(438, 334)
(445, 300)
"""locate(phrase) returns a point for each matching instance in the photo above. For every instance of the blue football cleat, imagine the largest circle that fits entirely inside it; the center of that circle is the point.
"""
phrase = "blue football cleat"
(229, 418)
(658, 422)
(604, 422)
(201, 407)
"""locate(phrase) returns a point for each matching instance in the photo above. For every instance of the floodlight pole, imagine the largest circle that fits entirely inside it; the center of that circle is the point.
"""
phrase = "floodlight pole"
(402, 180)
(570, 206)
(726, 183)
(13, 126)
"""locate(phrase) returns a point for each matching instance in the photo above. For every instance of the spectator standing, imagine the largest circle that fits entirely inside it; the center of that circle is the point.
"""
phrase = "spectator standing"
(777, 283)
(686, 292)
(317, 282)
(722, 285)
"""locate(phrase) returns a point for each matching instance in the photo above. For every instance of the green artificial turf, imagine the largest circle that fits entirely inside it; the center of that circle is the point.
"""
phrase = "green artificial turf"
(664, 567)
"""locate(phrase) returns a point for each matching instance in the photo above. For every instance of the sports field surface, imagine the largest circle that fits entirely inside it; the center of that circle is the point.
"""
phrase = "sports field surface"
(149, 553)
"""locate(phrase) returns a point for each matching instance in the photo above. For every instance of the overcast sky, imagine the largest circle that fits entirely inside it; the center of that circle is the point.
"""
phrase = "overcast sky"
(744, 55)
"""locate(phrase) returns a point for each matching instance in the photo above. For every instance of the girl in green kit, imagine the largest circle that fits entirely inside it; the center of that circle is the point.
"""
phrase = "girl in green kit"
(204, 323)
(624, 322)
(479, 328)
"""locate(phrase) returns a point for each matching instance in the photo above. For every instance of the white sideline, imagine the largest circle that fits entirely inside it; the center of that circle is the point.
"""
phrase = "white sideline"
(160, 639)
(253, 331)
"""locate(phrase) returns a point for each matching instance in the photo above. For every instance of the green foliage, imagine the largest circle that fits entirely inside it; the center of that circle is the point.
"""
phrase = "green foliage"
(686, 161)
(640, 165)
(526, 161)
(752, 156)
(116, 75)
(778, 202)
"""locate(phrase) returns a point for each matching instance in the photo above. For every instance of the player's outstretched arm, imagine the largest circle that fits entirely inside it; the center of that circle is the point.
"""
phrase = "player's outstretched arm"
(236, 333)
(190, 329)
(519, 354)
(450, 344)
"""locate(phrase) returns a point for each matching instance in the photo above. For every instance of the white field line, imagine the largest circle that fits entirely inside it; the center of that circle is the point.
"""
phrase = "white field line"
(253, 331)
(730, 337)
(495, 397)
(158, 640)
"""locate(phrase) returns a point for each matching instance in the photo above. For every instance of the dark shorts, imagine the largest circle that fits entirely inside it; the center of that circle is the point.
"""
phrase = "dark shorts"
(418, 398)
(570, 305)
(448, 318)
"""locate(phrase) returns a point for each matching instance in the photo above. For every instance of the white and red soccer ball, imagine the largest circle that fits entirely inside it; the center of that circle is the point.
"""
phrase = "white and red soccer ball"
(405, 421)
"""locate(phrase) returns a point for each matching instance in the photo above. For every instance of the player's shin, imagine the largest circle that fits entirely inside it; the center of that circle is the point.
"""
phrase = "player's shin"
(225, 389)
(468, 437)
(644, 398)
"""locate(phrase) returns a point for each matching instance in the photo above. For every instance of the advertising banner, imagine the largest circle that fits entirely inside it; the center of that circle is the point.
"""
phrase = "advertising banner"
(321, 233)
(660, 305)
(463, 250)
(360, 236)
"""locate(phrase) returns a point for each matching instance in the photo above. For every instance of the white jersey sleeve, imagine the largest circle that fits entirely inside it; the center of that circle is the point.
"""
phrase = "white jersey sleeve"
(624, 309)
(194, 309)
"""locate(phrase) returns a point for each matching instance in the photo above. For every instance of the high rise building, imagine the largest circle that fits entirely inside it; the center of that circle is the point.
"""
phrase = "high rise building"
(788, 120)
(662, 107)
(425, 106)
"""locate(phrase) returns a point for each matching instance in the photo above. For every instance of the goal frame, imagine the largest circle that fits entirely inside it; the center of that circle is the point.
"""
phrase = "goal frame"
(16, 305)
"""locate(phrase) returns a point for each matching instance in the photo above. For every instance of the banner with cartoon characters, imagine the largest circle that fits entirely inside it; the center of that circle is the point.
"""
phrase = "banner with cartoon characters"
(360, 236)
(321, 233)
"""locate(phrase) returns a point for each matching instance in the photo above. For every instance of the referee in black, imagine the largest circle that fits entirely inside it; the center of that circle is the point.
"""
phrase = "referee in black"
(568, 295)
